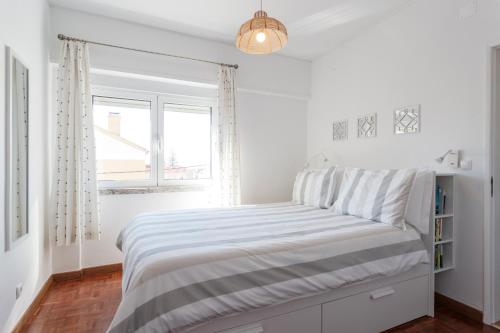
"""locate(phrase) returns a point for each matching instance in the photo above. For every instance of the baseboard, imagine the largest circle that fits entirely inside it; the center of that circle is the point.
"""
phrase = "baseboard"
(33, 308)
(74, 275)
(458, 307)
(106, 269)
(89, 271)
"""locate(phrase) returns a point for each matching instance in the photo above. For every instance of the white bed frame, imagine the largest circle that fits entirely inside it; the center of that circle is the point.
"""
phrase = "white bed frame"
(373, 306)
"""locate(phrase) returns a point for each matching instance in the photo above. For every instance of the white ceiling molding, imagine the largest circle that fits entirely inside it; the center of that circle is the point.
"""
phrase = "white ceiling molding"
(343, 13)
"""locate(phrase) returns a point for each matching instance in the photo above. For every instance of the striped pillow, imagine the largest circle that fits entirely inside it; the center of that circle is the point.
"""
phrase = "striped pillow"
(315, 187)
(379, 195)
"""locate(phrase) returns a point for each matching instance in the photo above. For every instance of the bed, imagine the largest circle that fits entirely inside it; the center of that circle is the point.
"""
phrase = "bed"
(279, 268)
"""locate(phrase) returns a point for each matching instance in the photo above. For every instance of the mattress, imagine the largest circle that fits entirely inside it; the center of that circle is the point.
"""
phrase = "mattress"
(185, 268)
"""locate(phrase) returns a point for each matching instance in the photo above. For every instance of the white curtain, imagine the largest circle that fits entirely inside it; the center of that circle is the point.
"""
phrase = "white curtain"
(227, 159)
(76, 188)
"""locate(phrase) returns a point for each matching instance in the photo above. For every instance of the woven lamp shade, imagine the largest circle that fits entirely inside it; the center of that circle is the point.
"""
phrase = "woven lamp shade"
(275, 33)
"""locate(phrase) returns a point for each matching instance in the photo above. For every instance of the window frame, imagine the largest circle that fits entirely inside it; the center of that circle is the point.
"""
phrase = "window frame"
(184, 100)
(157, 100)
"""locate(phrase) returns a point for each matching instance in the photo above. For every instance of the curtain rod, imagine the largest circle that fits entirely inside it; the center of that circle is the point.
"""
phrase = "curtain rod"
(63, 37)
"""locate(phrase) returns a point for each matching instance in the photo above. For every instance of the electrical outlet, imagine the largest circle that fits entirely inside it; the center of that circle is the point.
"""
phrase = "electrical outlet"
(19, 290)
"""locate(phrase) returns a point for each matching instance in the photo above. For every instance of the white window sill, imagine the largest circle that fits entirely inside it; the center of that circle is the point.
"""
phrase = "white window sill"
(152, 189)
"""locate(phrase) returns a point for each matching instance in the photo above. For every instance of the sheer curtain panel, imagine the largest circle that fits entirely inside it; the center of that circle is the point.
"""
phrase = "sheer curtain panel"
(76, 187)
(227, 161)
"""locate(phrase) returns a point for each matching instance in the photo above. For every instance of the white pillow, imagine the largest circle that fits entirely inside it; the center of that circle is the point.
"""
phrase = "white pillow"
(339, 175)
(418, 209)
(315, 187)
(379, 195)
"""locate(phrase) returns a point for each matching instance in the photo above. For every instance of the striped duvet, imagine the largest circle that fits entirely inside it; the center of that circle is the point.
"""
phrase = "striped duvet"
(184, 268)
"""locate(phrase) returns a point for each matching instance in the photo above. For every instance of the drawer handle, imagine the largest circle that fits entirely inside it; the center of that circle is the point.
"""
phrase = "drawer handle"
(382, 293)
(251, 328)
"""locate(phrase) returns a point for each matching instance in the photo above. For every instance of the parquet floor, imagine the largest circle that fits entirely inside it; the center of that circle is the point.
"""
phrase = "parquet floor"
(444, 321)
(88, 306)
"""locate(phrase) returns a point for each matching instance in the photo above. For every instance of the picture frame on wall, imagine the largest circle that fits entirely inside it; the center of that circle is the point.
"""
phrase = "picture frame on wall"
(340, 130)
(407, 120)
(367, 126)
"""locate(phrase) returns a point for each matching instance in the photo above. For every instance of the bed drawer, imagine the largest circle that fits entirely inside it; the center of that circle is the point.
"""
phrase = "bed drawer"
(302, 321)
(377, 310)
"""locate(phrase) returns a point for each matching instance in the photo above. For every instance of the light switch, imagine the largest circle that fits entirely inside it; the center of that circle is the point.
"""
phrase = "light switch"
(466, 164)
(452, 159)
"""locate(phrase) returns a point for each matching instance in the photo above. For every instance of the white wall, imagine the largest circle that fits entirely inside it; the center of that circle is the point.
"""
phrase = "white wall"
(273, 73)
(423, 55)
(271, 110)
(28, 263)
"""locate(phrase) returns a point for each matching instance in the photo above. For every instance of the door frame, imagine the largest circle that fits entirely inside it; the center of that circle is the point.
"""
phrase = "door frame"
(491, 311)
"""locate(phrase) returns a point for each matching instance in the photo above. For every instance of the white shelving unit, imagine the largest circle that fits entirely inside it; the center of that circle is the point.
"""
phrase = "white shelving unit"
(443, 215)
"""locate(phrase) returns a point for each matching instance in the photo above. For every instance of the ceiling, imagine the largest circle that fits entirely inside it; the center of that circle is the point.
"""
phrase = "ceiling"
(314, 26)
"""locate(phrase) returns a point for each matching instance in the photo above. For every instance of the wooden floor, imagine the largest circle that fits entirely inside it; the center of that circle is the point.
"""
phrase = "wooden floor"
(88, 305)
(445, 321)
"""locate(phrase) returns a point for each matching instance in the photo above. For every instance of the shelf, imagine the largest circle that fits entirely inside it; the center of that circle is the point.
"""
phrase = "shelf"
(446, 241)
(445, 247)
(444, 269)
(445, 174)
(443, 216)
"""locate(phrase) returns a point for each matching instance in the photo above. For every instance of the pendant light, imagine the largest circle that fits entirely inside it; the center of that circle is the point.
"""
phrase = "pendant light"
(261, 34)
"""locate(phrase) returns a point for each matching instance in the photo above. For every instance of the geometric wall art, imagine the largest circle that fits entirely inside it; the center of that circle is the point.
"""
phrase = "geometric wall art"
(407, 120)
(367, 126)
(340, 130)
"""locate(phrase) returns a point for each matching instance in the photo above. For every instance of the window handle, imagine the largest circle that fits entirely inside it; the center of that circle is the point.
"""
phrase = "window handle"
(158, 143)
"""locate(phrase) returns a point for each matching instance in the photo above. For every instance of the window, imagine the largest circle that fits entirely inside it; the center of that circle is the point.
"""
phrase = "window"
(151, 140)
(122, 130)
(186, 129)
